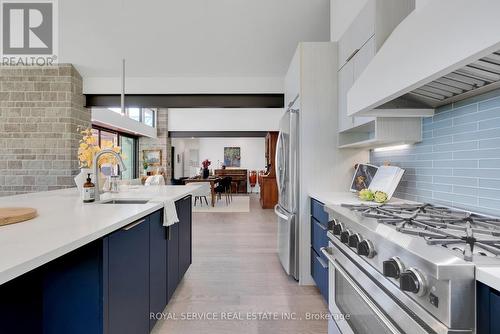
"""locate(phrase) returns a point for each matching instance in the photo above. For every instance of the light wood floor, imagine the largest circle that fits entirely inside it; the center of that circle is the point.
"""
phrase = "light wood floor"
(236, 270)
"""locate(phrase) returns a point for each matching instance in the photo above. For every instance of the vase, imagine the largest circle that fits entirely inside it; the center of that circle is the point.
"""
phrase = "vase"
(206, 173)
(81, 178)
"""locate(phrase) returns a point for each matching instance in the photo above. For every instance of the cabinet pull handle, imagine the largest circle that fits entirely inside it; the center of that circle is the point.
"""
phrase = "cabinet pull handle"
(131, 226)
(321, 226)
(352, 55)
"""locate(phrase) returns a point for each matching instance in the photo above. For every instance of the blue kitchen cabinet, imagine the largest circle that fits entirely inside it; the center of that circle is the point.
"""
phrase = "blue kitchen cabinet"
(172, 260)
(185, 234)
(128, 277)
(319, 239)
(21, 303)
(157, 265)
(72, 289)
(107, 286)
(488, 309)
(179, 249)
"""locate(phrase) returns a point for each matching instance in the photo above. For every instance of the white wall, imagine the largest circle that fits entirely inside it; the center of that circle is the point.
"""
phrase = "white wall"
(342, 13)
(252, 152)
(224, 119)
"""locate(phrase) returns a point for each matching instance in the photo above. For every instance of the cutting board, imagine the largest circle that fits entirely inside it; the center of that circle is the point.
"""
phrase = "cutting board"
(16, 215)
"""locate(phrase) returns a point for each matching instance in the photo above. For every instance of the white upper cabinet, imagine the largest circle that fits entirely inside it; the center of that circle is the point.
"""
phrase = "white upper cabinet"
(346, 79)
(357, 47)
(359, 62)
(360, 31)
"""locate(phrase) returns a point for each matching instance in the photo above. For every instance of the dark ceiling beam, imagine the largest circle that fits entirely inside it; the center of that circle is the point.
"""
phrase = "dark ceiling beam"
(187, 100)
(216, 134)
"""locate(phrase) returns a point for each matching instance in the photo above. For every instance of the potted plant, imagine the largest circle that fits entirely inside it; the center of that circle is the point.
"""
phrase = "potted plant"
(88, 147)
(205, 165)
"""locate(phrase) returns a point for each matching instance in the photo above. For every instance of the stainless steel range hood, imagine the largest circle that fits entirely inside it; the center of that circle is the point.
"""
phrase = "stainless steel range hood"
(443, 52)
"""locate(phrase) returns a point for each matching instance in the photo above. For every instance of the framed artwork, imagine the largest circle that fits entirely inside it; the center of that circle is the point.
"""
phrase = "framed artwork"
(232, 156)
(152, 157)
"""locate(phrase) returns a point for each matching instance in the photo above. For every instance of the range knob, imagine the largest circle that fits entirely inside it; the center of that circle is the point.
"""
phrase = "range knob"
(365, 248)
(338, 228)
(393, 267)
(354, 240)
(344, 236)
(412, 280)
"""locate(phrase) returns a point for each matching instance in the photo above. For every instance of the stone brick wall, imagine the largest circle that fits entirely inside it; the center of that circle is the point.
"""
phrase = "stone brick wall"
(162, 142)
(40, 110)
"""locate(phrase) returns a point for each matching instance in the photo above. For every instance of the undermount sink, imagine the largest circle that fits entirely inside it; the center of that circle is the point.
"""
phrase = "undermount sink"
(124, 201)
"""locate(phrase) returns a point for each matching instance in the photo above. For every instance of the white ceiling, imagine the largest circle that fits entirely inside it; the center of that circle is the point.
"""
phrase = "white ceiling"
(188, 38)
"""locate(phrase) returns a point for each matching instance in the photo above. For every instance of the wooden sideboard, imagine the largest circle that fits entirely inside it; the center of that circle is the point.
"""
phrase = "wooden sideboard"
(267, 182)
(239, 178)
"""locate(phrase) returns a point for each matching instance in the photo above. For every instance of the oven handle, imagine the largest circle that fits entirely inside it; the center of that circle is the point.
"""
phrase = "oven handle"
(359, 291)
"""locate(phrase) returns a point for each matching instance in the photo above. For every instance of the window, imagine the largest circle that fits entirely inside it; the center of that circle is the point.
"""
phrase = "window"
(108, 139)
(143, 115)
(128, 144)
(134, 113)
(149, 117)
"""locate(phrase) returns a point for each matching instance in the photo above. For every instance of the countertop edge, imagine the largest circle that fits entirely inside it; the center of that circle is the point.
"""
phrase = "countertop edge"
(33, 263)
(42, 259)
(489, 276)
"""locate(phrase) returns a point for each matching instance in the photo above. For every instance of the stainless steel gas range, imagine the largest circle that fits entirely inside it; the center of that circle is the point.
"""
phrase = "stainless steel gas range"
(406, 268)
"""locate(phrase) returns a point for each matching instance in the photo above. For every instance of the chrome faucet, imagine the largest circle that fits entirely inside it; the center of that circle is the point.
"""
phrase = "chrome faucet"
(96, 168)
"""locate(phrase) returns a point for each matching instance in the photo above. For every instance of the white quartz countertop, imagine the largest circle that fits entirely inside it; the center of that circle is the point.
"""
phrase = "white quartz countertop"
(65, 223)
(489, 276)
(346, 197)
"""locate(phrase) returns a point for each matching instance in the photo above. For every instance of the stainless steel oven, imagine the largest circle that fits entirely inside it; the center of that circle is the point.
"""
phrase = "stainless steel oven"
(361, 304)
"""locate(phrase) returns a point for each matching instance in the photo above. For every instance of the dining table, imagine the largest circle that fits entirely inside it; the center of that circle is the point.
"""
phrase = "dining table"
(213, 182)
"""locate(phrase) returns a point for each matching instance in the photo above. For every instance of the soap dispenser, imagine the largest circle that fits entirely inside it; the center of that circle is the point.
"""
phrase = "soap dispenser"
(88, 191)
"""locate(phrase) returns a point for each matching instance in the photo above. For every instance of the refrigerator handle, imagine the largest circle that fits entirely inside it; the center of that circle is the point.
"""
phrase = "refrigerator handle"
(277, 162)
(278, 213)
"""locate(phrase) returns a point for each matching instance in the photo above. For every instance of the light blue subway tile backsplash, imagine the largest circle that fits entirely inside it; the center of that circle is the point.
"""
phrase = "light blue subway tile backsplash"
(489, 124)
(489, 163)
(481, 134)
(489, 104)
(458, 161)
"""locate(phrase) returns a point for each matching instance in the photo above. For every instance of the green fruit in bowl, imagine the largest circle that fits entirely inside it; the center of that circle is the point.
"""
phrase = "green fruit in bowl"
(366, 195)
(380, 197)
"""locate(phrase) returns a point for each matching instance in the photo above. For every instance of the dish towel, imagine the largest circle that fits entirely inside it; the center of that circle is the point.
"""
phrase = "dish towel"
(170, 214)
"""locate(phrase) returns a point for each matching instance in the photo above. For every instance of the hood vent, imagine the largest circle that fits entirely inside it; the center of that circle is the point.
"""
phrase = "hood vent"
(443, 52)
(478, 77)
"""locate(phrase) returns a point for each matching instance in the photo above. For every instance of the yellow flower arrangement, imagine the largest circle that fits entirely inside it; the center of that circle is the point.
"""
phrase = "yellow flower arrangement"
(88, 147)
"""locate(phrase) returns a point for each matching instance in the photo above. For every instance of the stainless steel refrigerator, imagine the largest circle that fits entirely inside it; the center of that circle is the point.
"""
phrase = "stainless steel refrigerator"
(288, 190)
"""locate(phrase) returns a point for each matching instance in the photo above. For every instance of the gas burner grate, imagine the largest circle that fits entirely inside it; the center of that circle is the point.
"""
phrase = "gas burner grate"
(471, 234)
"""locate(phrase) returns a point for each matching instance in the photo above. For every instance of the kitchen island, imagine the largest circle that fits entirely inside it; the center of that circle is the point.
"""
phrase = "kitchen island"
(92, 268)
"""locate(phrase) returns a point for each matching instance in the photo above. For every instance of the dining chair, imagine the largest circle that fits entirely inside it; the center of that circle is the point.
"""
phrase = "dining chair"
(224, 187)
(201, 193)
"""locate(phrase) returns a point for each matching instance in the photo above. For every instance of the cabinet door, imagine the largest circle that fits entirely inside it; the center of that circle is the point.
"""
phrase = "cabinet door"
(360, 61)
(157, 265)
(184, 213)
(346, 79)
(128, 279)
(172, 259)
(360, 30)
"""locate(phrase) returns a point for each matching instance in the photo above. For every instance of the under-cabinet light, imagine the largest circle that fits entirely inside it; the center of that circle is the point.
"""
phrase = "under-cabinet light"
(391, 148)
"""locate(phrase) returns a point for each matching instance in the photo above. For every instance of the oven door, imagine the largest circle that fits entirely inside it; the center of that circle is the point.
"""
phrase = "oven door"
(360, 306)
